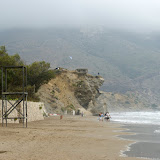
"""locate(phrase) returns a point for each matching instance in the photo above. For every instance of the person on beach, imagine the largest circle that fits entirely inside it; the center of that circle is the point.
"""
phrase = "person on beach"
(107, 116)
(101, 118)
(82, 114)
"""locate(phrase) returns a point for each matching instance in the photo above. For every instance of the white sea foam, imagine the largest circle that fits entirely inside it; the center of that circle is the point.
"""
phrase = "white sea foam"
(157, 131)
(127, 148)
(136, 117)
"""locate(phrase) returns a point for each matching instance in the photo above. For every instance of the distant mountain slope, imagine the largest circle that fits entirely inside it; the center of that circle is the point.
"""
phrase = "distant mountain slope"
(127, 61)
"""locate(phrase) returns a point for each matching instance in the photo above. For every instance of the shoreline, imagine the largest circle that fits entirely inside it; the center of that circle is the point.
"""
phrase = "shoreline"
(146, 141)
(71, 138)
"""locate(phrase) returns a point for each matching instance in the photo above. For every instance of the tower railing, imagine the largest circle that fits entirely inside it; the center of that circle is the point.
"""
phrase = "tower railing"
(9, 106)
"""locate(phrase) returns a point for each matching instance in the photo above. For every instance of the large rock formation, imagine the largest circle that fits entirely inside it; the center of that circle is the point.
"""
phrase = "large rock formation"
(71, 90)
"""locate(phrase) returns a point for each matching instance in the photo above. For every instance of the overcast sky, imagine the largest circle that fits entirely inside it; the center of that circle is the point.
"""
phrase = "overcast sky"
(137, 15)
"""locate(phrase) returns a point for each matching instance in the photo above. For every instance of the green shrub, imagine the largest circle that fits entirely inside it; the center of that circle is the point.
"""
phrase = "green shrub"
(40, 107)
(127, 102)
(154, 106)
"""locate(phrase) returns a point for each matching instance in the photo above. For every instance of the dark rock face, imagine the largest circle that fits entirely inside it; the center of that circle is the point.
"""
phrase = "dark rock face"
(87, 89)
(84, 71)
(71, 88)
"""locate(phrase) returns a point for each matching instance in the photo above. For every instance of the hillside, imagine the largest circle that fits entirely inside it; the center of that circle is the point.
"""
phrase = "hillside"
(74, 90)
(129, 62)
(71, 90)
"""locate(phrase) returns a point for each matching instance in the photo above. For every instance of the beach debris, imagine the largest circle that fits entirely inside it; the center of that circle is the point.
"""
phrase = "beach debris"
(54, 114)
(3, 152)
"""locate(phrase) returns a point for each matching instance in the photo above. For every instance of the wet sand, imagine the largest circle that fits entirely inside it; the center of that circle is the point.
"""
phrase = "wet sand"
(72, 138)
(147, 141)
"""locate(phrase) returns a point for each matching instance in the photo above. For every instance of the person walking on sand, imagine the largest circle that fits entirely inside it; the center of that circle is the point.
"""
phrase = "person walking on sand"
(102, 116)
(107, 116)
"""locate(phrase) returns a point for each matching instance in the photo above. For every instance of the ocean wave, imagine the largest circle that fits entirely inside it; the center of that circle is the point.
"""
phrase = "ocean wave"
(136, 117)
(157, 131)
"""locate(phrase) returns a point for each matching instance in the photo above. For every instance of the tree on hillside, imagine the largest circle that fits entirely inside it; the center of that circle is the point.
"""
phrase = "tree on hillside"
(2, 49)
(7, 60)
(38, 72)
(13, 77)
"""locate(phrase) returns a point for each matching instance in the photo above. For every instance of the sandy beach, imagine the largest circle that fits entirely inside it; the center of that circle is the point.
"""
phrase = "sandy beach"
(71, 138)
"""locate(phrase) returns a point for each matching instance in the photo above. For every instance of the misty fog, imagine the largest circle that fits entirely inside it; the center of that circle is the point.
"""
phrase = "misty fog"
(136, 15)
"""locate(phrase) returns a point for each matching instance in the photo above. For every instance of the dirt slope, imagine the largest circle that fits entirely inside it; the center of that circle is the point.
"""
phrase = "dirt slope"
(70, 90)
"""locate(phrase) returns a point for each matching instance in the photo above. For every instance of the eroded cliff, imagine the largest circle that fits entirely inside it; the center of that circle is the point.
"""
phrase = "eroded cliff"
(71, 90)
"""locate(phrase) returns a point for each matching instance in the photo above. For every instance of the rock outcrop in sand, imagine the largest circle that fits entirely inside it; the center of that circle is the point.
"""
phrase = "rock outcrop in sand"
(71, 90)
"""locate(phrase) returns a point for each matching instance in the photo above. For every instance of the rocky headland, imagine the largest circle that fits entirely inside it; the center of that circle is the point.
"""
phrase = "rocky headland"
(77, 90)
(71, 90)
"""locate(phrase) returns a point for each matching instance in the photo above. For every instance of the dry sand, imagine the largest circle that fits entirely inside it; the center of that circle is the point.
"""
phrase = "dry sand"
(72, 138)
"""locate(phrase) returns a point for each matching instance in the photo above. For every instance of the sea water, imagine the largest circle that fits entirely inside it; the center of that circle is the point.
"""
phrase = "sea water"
(137, 117)
(146, 125)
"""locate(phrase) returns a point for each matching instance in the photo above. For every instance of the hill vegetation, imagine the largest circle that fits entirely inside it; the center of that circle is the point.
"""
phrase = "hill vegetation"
(129, 62)
(71, 90)
(38, 73)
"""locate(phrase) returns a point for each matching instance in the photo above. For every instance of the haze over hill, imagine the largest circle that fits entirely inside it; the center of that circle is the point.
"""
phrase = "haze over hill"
(128, 61)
